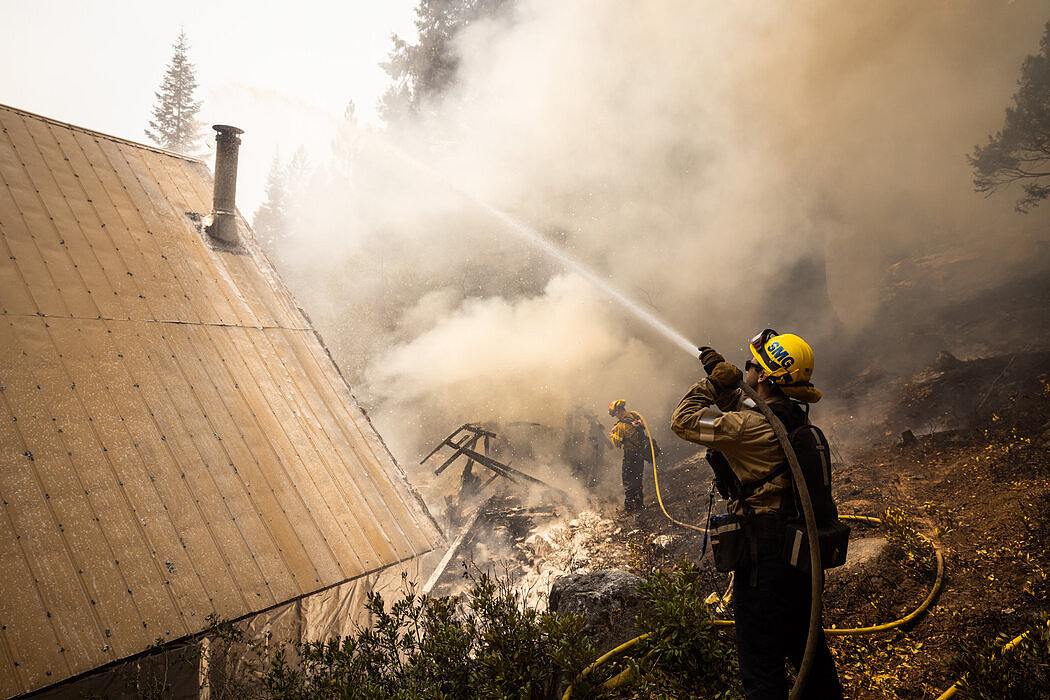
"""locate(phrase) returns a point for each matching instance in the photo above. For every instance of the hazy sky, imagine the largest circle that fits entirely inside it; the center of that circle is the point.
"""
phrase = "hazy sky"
(280, 71)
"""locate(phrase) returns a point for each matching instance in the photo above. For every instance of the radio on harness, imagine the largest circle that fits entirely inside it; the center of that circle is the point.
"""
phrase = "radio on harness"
(737, 534)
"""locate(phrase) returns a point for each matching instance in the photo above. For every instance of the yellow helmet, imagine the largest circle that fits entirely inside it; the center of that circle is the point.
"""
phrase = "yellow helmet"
(616, 405)
(788, 363)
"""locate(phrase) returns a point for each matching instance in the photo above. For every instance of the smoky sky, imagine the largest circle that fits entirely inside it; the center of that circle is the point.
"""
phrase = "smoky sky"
(727, 166)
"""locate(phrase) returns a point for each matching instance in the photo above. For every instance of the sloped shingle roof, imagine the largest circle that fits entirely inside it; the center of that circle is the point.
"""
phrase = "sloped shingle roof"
(174, 439)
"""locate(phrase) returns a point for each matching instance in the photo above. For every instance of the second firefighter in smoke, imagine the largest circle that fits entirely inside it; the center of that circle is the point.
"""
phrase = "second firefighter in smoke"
(630, 434)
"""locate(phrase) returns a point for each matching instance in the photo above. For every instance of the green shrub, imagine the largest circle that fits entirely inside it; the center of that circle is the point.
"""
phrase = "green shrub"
(488, 645)
(686, 655)
(916, 551)
(986, 672)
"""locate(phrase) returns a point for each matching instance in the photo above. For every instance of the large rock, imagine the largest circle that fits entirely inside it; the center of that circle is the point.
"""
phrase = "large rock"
(867, 557)
(608, 600)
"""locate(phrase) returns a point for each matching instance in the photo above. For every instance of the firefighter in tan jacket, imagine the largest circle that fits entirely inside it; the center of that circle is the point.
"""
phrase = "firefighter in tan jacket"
(629, 433)
(771, 599)
(742, 435)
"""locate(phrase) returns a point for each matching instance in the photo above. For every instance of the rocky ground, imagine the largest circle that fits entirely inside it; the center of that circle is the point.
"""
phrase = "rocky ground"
(962, 456)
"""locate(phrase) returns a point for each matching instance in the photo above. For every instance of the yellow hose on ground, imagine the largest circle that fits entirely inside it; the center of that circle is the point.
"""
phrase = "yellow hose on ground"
(938, 556)
(607, 656)
(938, 582)
(656, 481)
(834, 632)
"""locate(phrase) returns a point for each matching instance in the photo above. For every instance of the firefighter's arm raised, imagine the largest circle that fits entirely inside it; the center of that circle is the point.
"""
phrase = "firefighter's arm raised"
(699, 416)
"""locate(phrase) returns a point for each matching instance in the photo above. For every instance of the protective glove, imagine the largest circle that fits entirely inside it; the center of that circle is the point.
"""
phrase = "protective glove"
(725, 377)
(709, 357)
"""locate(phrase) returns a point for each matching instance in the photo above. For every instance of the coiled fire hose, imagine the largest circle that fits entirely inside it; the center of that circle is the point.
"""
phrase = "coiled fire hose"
(816, 589)
(623, 676)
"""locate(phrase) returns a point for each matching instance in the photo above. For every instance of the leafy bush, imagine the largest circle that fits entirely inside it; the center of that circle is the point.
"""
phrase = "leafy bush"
(1022, 673)
(942, 515)
(489, 645)
(686, 656)
(915, 550)
(642, 558)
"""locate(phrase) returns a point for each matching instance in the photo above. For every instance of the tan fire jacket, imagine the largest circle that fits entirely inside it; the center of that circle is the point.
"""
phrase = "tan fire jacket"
(629, 433)
(744, 436)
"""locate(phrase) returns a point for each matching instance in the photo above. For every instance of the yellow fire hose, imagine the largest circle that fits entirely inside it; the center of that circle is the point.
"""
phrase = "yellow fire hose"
(874, 629)
(623, 676)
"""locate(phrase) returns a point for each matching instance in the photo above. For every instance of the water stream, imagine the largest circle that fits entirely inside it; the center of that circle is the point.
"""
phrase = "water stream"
(537, 241)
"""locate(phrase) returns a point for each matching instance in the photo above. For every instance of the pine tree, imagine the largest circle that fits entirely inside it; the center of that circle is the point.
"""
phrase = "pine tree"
(298, 177)
(174, 125)
(271, 218)
(424, 71)
(278, 216)
(345, 146)
(1020, 152)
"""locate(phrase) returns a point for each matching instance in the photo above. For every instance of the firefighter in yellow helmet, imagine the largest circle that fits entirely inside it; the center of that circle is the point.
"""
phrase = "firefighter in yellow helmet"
(771, 599)
(629, 433)
(787, 362)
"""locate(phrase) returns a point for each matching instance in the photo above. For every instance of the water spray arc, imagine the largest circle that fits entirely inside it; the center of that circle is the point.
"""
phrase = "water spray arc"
(533, 238)
(536, 240)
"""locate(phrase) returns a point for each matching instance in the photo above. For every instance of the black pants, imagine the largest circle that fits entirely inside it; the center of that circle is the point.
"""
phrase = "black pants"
(772, 622)
(633, 469)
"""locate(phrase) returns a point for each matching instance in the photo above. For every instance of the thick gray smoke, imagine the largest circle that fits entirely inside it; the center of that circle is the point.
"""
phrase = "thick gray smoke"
(728, 166)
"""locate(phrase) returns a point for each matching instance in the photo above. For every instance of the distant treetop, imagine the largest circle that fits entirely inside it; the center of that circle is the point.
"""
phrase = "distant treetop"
(174, 125)
(424, 71)
(1020, 152)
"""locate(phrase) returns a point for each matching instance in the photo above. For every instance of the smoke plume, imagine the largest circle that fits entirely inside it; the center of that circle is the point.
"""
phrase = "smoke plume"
(728, 166)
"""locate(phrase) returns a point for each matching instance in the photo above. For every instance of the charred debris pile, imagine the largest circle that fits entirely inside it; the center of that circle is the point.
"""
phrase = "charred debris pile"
(527, 526)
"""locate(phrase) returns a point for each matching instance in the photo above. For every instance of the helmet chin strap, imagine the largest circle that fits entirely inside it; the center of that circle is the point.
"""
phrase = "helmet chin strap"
(767, 388)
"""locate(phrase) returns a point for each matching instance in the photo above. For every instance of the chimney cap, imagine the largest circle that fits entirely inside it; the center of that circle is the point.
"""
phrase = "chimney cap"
(227, 129)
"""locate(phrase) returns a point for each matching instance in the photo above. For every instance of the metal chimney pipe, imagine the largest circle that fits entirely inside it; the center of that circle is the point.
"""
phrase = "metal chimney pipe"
(224, 216)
